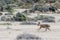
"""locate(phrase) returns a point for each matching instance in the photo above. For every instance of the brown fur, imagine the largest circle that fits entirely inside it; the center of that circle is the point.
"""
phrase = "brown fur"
(46, 26)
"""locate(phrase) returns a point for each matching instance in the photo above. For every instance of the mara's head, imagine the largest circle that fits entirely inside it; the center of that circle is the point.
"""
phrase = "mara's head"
(38, 23)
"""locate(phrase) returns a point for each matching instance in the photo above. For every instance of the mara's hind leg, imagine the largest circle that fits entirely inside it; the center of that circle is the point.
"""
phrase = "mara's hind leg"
(49, 29)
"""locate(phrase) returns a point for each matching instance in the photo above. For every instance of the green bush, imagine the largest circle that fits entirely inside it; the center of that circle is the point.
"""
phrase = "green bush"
(20, 17)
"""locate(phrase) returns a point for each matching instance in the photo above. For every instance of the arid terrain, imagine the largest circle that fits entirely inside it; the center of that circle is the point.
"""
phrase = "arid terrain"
(10, 32)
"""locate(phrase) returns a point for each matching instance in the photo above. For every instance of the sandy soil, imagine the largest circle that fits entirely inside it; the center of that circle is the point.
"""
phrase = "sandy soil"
(17, 29)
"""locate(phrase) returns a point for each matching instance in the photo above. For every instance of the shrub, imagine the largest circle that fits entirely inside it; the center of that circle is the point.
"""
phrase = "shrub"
(20, 17)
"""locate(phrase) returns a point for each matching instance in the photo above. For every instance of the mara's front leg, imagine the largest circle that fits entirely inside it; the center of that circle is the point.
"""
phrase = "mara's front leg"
(45, 29)
(39, 28)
